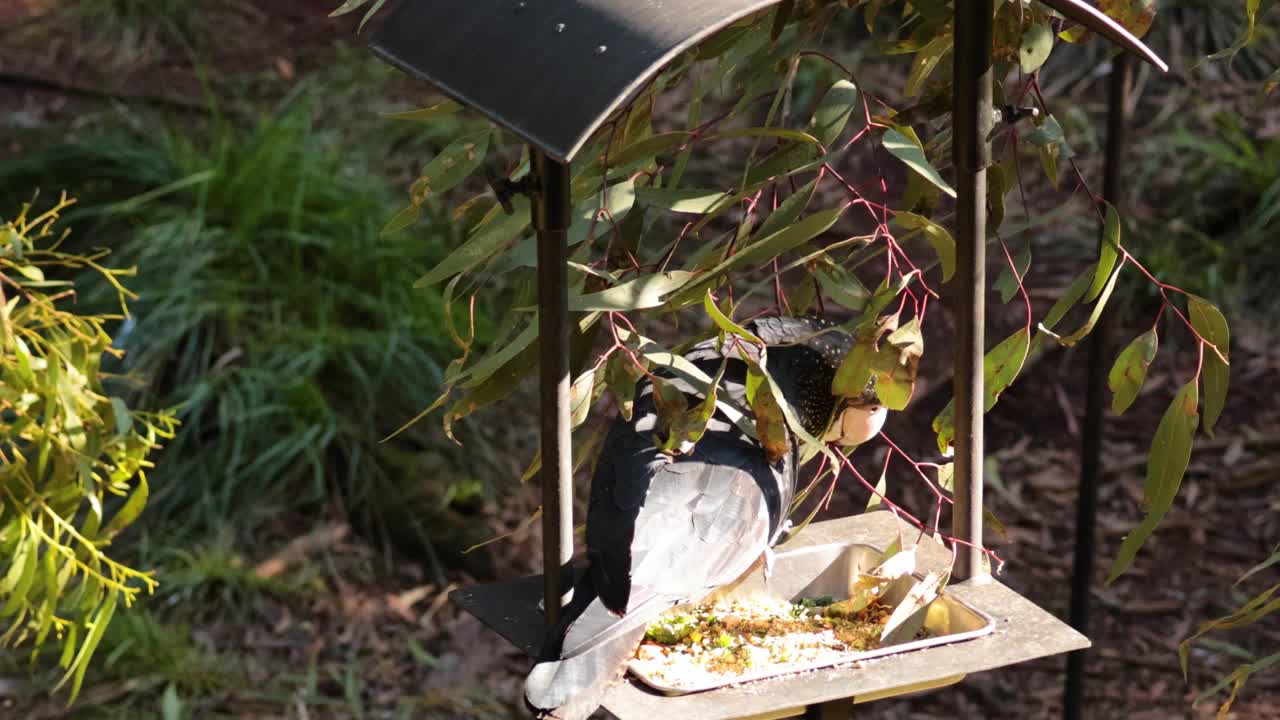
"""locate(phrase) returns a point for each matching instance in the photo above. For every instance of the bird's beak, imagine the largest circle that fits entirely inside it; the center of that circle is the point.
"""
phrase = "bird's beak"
(856, 424)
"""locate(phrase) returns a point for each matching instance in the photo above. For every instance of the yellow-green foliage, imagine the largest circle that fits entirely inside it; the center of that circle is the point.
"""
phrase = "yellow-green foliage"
(66, 446)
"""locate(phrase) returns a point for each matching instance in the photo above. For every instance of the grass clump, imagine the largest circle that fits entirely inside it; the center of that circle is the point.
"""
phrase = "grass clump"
(271, 312)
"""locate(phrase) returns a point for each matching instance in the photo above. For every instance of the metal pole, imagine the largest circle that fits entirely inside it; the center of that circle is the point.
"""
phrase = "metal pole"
(971, 154)
(551, 217)
(1095, 404)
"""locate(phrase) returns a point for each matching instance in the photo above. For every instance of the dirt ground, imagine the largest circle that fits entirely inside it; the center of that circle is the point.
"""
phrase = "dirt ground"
(415, 648)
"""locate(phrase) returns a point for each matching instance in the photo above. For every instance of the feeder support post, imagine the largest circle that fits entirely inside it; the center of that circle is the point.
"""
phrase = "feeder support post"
(551, 219)
(1095, 406)
(971, 153)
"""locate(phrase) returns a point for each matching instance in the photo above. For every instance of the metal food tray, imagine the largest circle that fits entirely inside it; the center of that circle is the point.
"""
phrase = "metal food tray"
(827, 570)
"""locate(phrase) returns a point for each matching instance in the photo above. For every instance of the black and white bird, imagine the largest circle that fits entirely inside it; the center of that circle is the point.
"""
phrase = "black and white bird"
(665, 530)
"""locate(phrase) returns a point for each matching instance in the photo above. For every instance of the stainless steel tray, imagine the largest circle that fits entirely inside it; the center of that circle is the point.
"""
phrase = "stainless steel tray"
(827, 570)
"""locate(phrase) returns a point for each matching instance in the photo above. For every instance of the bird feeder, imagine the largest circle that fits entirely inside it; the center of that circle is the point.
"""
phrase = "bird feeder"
(553, 72)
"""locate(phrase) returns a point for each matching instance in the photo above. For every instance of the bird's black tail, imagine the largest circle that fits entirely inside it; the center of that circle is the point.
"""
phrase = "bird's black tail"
(571, 683)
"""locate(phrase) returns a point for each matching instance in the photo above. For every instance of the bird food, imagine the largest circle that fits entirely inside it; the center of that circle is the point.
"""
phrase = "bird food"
(729, 639)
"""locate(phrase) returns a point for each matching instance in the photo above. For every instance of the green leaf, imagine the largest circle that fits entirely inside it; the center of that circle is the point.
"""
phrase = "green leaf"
(621, 375)
(22, 574)
(1166, 464)
(1135, 16)
(689, 427)
(925, 62)
(1074, 292)
(644, 292)
(767, 248)
(1108, 254)
(481, 244)
(582, 395)
(431, 112)
(943, 244)
(650, 147)
(1037, 43)
(1002, 364)
(1130, 370)
(1007, 283)
(1275, 558)
(671, 405)
(170, 703)
(401, 220)
(1244, 38)
(1098, 307)
(129, 511)
(841, 284)
(98, 626)
(123, 420)
(681, 201)
(897, 364)
(1209, 321)
(832, 113)
(788, 210)
(771, 132)
(453, 164)
(723, 321)
(875, 502)
(912, 153)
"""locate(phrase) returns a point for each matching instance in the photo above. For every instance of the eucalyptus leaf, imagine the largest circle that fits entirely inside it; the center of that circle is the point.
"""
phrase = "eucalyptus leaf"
(644, 292)
(943, 244)
(1037, 43)
(912, 153)
(1166, 465)
(1130, 370)
(1209, 321)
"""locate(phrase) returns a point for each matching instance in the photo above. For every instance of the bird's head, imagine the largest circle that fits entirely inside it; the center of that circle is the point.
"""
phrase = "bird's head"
(804, 355)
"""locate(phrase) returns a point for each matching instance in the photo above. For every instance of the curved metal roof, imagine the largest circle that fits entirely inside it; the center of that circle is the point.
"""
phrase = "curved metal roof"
(552, 71)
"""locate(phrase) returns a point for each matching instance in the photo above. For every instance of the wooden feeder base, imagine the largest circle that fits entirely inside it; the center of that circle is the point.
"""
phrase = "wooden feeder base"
(1023, 632)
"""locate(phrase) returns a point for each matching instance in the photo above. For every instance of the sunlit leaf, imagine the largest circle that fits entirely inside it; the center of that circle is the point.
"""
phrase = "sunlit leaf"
(943, 244)
(681, 201)
(1108, 254)
(1000, 367)
(1098, 307)
(621, 375)
(908, 617)
(833, 112)
(925, 62)
(911, 153)
(646, 291)
(1130, 370)
(481, 244)
(128, 512)
(724, 322)
(1166, 464)
(688, 428)
(1037, 43)
(1135, 16)
(1212, 326)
